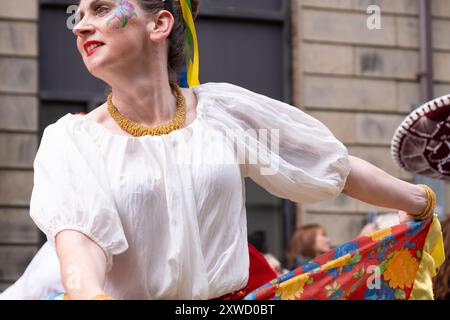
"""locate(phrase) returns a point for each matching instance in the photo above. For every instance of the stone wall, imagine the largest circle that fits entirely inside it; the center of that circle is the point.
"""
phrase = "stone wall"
(18, 134)
(361, 83)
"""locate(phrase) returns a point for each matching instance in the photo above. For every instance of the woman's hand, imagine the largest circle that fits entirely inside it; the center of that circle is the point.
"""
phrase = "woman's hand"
(372, 185)
(83, 265)
(369, 229)
(404, 217)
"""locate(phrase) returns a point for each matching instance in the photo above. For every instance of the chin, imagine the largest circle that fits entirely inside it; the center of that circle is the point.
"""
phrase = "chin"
(95, 65)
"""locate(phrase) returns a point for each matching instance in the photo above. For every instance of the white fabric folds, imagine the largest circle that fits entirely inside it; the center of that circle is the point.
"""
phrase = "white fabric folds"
(169, 211)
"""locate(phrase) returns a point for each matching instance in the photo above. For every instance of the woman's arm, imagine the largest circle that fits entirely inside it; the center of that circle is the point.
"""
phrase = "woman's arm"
(83, 265)
(372, 185)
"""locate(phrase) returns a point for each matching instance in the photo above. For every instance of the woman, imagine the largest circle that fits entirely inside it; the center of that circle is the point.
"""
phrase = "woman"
(441, 283)
(128, 209)
(307, 243)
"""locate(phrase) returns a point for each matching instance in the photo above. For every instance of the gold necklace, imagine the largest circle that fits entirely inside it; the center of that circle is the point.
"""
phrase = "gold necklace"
(140, 130)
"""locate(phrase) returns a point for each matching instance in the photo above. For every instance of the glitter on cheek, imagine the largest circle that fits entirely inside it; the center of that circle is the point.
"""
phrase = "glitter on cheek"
(124, 11)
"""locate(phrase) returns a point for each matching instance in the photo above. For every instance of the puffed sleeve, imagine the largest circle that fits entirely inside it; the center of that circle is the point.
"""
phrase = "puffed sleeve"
(71, 190)
(288, 152)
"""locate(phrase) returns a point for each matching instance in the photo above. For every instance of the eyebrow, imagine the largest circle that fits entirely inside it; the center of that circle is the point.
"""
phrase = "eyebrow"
(91, 5)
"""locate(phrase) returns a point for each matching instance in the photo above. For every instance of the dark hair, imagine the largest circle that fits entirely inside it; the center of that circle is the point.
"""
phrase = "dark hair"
(177, 41)
(442, 280)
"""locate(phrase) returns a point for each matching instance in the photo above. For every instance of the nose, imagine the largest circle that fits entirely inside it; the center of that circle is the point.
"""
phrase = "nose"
(82, 29)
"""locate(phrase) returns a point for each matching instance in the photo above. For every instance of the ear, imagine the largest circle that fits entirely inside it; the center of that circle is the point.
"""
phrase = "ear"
(160, 26)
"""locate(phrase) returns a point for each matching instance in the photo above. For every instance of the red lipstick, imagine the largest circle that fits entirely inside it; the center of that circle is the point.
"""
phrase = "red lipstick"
(91, 46)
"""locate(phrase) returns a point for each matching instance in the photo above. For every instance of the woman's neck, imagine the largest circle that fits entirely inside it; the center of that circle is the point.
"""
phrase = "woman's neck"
(147, 100)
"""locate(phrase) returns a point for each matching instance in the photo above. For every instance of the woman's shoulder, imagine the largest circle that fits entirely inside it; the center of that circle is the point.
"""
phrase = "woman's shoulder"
(98, 114)
(231, 93)
(71, 128)
(234, 97)
(69, 138)
(58, 128)
(221, 88)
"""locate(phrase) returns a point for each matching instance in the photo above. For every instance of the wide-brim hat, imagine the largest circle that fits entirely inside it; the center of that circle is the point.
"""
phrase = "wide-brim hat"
(421, 144)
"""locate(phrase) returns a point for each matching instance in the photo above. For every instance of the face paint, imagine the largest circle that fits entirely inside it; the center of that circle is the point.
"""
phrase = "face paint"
(124, 11)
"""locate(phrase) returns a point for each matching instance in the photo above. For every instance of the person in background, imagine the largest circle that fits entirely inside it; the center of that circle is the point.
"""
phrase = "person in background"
(307, 242)
(441, 283)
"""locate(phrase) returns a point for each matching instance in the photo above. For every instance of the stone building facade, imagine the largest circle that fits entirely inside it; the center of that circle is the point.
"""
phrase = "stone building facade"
(18, 133)
(361, 83)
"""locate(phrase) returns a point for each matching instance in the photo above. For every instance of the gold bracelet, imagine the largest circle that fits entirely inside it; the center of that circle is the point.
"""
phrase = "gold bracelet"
(431, 204)
(431, 196)
(102, 296)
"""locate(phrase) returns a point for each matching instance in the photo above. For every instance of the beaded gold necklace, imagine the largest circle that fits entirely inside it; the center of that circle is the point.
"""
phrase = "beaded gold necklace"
(140, 130)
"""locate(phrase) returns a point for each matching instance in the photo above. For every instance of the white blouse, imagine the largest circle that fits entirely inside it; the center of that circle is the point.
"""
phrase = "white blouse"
(169, 211)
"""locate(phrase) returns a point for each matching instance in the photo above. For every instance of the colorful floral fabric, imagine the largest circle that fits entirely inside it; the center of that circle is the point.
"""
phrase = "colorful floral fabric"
(379, 266)
(56, 296)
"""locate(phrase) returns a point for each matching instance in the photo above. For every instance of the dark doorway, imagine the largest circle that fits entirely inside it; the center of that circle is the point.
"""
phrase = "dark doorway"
(244, 42)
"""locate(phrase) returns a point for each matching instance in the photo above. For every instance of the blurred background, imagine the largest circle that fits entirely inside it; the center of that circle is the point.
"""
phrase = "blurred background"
(318, 55)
